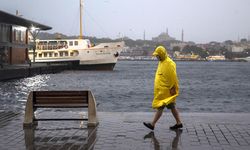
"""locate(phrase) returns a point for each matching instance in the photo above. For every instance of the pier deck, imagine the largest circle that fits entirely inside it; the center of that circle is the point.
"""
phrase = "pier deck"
(124, 130)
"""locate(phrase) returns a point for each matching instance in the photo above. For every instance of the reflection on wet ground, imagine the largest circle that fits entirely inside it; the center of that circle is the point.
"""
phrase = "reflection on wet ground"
(60, 134)
(157, 146)
(60, 138)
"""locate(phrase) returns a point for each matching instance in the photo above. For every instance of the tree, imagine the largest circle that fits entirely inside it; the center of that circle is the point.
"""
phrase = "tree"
(176, 48)
(229, 42)
(195, 50)
(243, 40)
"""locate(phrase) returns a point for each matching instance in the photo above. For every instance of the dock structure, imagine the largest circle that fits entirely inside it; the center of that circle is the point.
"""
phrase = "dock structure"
(124, 130)
(14, 41)
(22, 71)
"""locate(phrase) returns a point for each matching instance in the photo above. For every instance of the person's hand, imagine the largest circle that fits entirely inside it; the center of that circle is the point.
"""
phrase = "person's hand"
(172, 91)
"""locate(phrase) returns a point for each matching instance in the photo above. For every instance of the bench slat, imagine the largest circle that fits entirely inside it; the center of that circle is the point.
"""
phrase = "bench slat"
(60, 105)
(60, 100)
(61, 97)
(59, 119)
(61, 93)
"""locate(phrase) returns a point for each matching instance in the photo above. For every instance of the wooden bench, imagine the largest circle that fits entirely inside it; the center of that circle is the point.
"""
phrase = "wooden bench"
(60, 99)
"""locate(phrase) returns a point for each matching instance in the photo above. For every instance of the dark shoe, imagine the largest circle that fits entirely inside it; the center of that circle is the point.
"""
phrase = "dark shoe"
(148, 125)
(176, 126)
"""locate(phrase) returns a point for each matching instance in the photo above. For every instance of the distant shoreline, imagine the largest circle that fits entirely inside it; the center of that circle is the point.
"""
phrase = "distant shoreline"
(183, 60)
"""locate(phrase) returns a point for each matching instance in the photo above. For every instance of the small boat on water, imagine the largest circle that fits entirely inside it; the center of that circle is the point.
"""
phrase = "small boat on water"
(245, 59)
(81, 53)
(216, 58)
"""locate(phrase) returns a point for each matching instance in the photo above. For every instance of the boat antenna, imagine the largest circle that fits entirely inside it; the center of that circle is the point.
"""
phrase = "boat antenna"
(81, 5)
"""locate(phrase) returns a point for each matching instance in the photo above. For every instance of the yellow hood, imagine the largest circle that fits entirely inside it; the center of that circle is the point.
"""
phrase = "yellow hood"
(161, 52)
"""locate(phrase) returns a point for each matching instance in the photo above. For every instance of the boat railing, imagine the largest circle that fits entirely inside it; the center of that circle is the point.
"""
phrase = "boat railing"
(51, 47)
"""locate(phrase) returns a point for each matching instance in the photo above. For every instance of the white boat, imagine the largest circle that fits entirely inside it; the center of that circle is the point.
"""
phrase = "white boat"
(216, 58)
(79, 52)
(245, 59)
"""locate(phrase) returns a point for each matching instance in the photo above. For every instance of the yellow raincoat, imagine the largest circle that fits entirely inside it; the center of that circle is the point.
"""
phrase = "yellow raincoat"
(165, 79)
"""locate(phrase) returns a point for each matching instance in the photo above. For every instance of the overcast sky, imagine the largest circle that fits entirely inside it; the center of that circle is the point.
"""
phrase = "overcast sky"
(202, 20)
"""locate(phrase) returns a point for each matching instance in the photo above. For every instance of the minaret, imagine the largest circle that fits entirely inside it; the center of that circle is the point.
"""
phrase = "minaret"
(144, 35)
(167, 31)
(182, 35)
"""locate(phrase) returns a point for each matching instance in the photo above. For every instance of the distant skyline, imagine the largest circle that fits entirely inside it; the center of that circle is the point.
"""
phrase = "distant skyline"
(203, 21)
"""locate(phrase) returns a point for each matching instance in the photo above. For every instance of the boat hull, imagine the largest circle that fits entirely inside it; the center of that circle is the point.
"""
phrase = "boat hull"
(75, 65)
(107, 66)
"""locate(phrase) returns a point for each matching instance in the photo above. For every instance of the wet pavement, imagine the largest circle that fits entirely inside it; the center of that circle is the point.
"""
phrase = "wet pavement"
(124, 130)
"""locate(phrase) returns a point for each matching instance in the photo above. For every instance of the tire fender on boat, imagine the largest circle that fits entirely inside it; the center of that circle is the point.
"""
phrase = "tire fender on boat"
(116, 54)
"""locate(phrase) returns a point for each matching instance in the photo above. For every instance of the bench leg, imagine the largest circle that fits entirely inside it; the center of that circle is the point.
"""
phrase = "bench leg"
(29, 112)
(92, 118)
(92, 135)
(29, 137)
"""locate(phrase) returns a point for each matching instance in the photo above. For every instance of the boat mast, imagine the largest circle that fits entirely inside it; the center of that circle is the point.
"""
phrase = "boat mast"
(81, 36)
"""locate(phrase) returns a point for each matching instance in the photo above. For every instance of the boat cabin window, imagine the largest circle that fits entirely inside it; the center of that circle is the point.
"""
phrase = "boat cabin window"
(50, 54)
(52, 45)
(61, 53)
(70, 43)
(62, 44)
(76, 43)
(56, 54)
(41, 45)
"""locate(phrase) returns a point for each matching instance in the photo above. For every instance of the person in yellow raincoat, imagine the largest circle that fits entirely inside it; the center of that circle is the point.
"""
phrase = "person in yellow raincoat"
(166, 88)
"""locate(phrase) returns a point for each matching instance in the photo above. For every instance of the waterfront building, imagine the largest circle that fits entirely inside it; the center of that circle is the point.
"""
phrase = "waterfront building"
(14, 42)
(238, 48)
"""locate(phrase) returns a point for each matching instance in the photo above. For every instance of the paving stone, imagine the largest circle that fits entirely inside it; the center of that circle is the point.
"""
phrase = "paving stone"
(125, 131)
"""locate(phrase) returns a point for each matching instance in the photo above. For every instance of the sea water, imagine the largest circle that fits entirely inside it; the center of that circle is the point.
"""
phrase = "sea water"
(204, 86)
